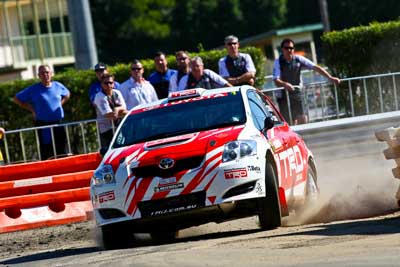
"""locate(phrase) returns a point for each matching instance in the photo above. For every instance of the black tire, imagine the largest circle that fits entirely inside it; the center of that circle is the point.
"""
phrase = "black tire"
(116, 237)
(269, 206)
(164, 236)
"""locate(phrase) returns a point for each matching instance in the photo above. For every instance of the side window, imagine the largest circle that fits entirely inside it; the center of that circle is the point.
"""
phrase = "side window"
(270, 109)
(258, 112)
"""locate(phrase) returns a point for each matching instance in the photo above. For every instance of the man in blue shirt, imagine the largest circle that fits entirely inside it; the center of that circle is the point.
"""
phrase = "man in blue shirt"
(45, 100)
(100, 69)
(161, 77)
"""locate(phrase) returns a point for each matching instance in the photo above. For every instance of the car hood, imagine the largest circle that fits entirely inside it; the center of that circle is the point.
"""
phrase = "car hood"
(185, 146)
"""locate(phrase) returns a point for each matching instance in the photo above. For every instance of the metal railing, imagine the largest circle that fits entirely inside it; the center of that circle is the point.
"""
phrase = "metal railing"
(354, 96)
(23, 145)
(54, 45)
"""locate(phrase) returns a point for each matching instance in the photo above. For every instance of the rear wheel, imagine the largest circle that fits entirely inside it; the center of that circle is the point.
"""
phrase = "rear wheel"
(116, 237)
(269, 206)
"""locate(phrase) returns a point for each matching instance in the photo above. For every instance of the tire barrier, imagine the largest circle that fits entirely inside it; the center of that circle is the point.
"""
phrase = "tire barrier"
(392, 137)
(46, 193)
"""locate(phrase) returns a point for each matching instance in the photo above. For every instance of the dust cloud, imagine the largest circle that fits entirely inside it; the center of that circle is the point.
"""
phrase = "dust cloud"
(358, 186)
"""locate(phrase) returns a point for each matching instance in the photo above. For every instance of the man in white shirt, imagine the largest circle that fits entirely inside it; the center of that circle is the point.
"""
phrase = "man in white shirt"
(110, 108)
(136, 90)
(182, 63)
(237, 68)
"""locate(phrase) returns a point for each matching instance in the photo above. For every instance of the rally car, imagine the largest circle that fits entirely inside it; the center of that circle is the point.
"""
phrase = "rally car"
(200, 156)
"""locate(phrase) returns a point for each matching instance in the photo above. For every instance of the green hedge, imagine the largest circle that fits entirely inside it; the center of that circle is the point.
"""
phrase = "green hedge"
(363, 50)
(78, 82)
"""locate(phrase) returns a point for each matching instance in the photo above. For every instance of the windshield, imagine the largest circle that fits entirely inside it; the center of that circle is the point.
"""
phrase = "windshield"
(176, 119)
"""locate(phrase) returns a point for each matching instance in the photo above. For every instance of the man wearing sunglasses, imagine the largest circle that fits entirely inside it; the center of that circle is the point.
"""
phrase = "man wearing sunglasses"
(287, 74)
(110, 108)
(182, 63)
(136, 90)
(237, 68)
(100, 69)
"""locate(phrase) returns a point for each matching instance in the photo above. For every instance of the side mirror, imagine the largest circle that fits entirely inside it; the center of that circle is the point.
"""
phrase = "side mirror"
(268, 123)
(103, 151)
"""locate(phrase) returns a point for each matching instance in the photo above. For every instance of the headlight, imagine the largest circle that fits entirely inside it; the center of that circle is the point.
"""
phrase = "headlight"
(103, 175)
(239, 149)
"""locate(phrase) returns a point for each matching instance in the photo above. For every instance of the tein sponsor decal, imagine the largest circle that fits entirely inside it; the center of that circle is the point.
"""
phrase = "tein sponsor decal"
(252, 168)
(106, 196)
(168, 187)
(235, 173)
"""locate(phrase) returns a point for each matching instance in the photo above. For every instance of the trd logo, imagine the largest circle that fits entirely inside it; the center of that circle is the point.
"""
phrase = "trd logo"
(107, 196)
(236, 173)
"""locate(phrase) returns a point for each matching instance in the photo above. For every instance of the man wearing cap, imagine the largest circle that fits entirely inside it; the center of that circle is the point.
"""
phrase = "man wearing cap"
(100, 69)
(237, 68)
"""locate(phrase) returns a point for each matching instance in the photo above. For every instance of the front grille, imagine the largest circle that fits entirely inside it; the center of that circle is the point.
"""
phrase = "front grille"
(172, 204)
(180, 165)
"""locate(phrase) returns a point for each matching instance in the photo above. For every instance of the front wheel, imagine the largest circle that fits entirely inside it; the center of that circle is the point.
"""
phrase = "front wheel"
(116, 237)
(269, 206)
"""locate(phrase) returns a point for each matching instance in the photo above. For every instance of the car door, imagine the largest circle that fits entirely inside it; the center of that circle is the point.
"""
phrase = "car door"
(279, 136)
(284, 141)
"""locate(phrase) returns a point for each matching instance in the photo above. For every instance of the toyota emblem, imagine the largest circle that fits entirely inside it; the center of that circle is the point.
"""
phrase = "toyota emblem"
(166, 163)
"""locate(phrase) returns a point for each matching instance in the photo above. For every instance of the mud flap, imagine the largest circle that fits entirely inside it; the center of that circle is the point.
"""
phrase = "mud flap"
(282, 200)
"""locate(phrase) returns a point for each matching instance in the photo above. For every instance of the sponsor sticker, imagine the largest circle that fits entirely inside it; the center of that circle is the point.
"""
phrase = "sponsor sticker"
(252, 168)
(168, 187)
(106, 196)
(165, 181)
(235, 173)
(172, 210)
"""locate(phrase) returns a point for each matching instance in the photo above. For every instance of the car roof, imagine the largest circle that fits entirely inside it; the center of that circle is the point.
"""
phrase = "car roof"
(203, 92)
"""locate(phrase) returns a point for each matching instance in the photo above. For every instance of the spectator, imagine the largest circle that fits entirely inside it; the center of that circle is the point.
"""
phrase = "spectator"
(199, 77)
(100, 69)
(287, 74)
(136, 90)
(45, 101)
(161, 77)
(182, 62)
(237, 68)
(110, 108)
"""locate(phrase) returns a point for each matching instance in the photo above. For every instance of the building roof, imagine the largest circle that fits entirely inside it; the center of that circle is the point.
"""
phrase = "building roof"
(280, 32)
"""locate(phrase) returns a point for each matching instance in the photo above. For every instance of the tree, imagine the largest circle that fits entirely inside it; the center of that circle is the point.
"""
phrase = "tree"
(127, 29)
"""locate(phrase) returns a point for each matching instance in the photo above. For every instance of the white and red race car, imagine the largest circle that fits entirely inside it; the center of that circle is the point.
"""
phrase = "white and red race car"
(200, 156)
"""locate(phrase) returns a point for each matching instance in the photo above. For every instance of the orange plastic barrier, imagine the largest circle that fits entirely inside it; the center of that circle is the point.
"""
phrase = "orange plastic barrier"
(45, 184)
(50, 167)
(44, 216)
(46, 193)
